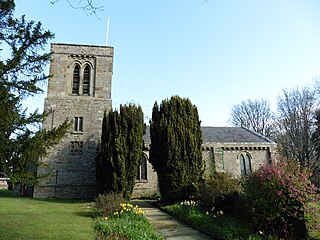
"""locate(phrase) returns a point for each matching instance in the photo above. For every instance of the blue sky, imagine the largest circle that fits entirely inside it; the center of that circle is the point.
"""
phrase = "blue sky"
(216, 52)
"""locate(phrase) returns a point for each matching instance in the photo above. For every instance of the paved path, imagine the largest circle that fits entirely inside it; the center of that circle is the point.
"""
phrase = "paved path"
(169, 227)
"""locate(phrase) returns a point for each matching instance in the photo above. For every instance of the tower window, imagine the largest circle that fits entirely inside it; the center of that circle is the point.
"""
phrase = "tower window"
(78, 124)
(245, 164)
(86, 80)
(142, 169)
(76, 80)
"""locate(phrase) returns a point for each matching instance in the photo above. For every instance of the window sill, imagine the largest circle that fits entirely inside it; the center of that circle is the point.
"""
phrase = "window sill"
(142, 181)
(77, 133)
(80, 95)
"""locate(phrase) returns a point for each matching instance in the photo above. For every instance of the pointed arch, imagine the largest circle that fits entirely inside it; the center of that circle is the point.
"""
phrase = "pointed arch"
(86, 80)
(76, 79)
(248, 163)
(245, 163)
(242, 165)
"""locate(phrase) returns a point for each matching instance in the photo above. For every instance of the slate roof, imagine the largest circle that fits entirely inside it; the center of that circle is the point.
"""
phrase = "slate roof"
(224, 135)
(232, 135)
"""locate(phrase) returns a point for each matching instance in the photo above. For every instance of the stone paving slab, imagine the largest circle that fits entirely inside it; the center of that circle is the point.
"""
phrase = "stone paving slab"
(168, 226)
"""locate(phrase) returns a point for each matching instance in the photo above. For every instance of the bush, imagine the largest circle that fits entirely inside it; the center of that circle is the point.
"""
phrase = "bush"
(107, 204)
(277, 197)
(219, 191)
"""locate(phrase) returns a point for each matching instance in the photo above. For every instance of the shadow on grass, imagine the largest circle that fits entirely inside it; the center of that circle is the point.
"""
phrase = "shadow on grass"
(61, 200)
(86, 214)
(4, 193)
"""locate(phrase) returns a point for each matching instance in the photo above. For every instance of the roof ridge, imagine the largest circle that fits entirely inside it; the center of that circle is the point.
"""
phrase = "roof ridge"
(258, 134)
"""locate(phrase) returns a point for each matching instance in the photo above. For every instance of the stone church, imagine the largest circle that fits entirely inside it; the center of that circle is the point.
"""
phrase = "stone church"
(80, 89)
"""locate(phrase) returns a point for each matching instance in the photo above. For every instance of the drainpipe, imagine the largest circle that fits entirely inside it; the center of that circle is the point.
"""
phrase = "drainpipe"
(52, 117)
(222, 158)
(55, 186)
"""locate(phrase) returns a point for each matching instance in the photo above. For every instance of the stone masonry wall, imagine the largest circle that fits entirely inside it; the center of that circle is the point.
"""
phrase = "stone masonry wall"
(149, 186)
(225, 157)
(70, 164)
(216, 159)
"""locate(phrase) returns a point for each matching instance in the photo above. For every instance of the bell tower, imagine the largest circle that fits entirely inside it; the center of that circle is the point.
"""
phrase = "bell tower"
(79, 89)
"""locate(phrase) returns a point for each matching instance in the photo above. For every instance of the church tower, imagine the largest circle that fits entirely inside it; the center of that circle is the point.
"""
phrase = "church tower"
(79, 89)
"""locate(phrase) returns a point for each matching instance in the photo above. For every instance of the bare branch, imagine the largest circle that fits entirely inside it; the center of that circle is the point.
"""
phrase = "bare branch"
(87, 5)
(255, 115)
(296, 125)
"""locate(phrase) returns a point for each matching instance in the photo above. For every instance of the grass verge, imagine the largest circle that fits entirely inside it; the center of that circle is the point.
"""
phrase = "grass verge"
(28, 218)
(218, 225)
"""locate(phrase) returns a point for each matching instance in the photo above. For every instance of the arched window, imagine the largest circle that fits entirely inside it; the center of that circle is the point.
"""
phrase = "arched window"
(86, 80)
(245, 164)
(76, 80)
(142, 169)
(248, 164)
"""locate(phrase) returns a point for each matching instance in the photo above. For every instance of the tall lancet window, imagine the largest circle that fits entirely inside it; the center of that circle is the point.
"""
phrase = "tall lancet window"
(142, 169)
(245, 164)
(76, 80)
(86, 80)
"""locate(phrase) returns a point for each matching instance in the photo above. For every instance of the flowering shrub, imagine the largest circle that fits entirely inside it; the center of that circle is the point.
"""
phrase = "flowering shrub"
(219, 192)
(278, 195)
(107, 204)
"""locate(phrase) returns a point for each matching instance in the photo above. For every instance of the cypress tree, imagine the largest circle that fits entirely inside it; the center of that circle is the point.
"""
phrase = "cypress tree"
(175, 151)
(118, 159)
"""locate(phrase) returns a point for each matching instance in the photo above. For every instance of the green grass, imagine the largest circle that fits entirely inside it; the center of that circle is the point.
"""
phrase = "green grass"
(28, 218)
(128, 226)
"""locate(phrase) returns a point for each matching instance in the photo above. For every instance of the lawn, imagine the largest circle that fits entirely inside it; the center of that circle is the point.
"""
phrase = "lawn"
(28, 218)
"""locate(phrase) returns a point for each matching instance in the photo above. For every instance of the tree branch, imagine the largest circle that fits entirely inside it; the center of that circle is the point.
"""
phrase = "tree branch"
(87, 5)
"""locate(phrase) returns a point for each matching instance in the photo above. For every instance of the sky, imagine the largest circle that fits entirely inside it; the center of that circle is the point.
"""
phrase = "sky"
(217, 53)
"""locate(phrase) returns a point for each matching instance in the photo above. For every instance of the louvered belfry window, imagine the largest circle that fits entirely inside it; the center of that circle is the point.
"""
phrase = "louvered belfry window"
(86, 80)
(76, 80)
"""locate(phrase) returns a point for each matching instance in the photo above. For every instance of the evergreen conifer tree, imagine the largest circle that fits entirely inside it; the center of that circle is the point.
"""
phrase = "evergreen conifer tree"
(118, 159)
(175, 151)
(21, 76)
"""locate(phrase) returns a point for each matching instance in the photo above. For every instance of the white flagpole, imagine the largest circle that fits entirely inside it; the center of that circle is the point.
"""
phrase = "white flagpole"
(107, 37)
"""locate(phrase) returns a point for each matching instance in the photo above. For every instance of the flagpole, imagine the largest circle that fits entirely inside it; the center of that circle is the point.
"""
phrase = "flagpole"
(107, 37)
